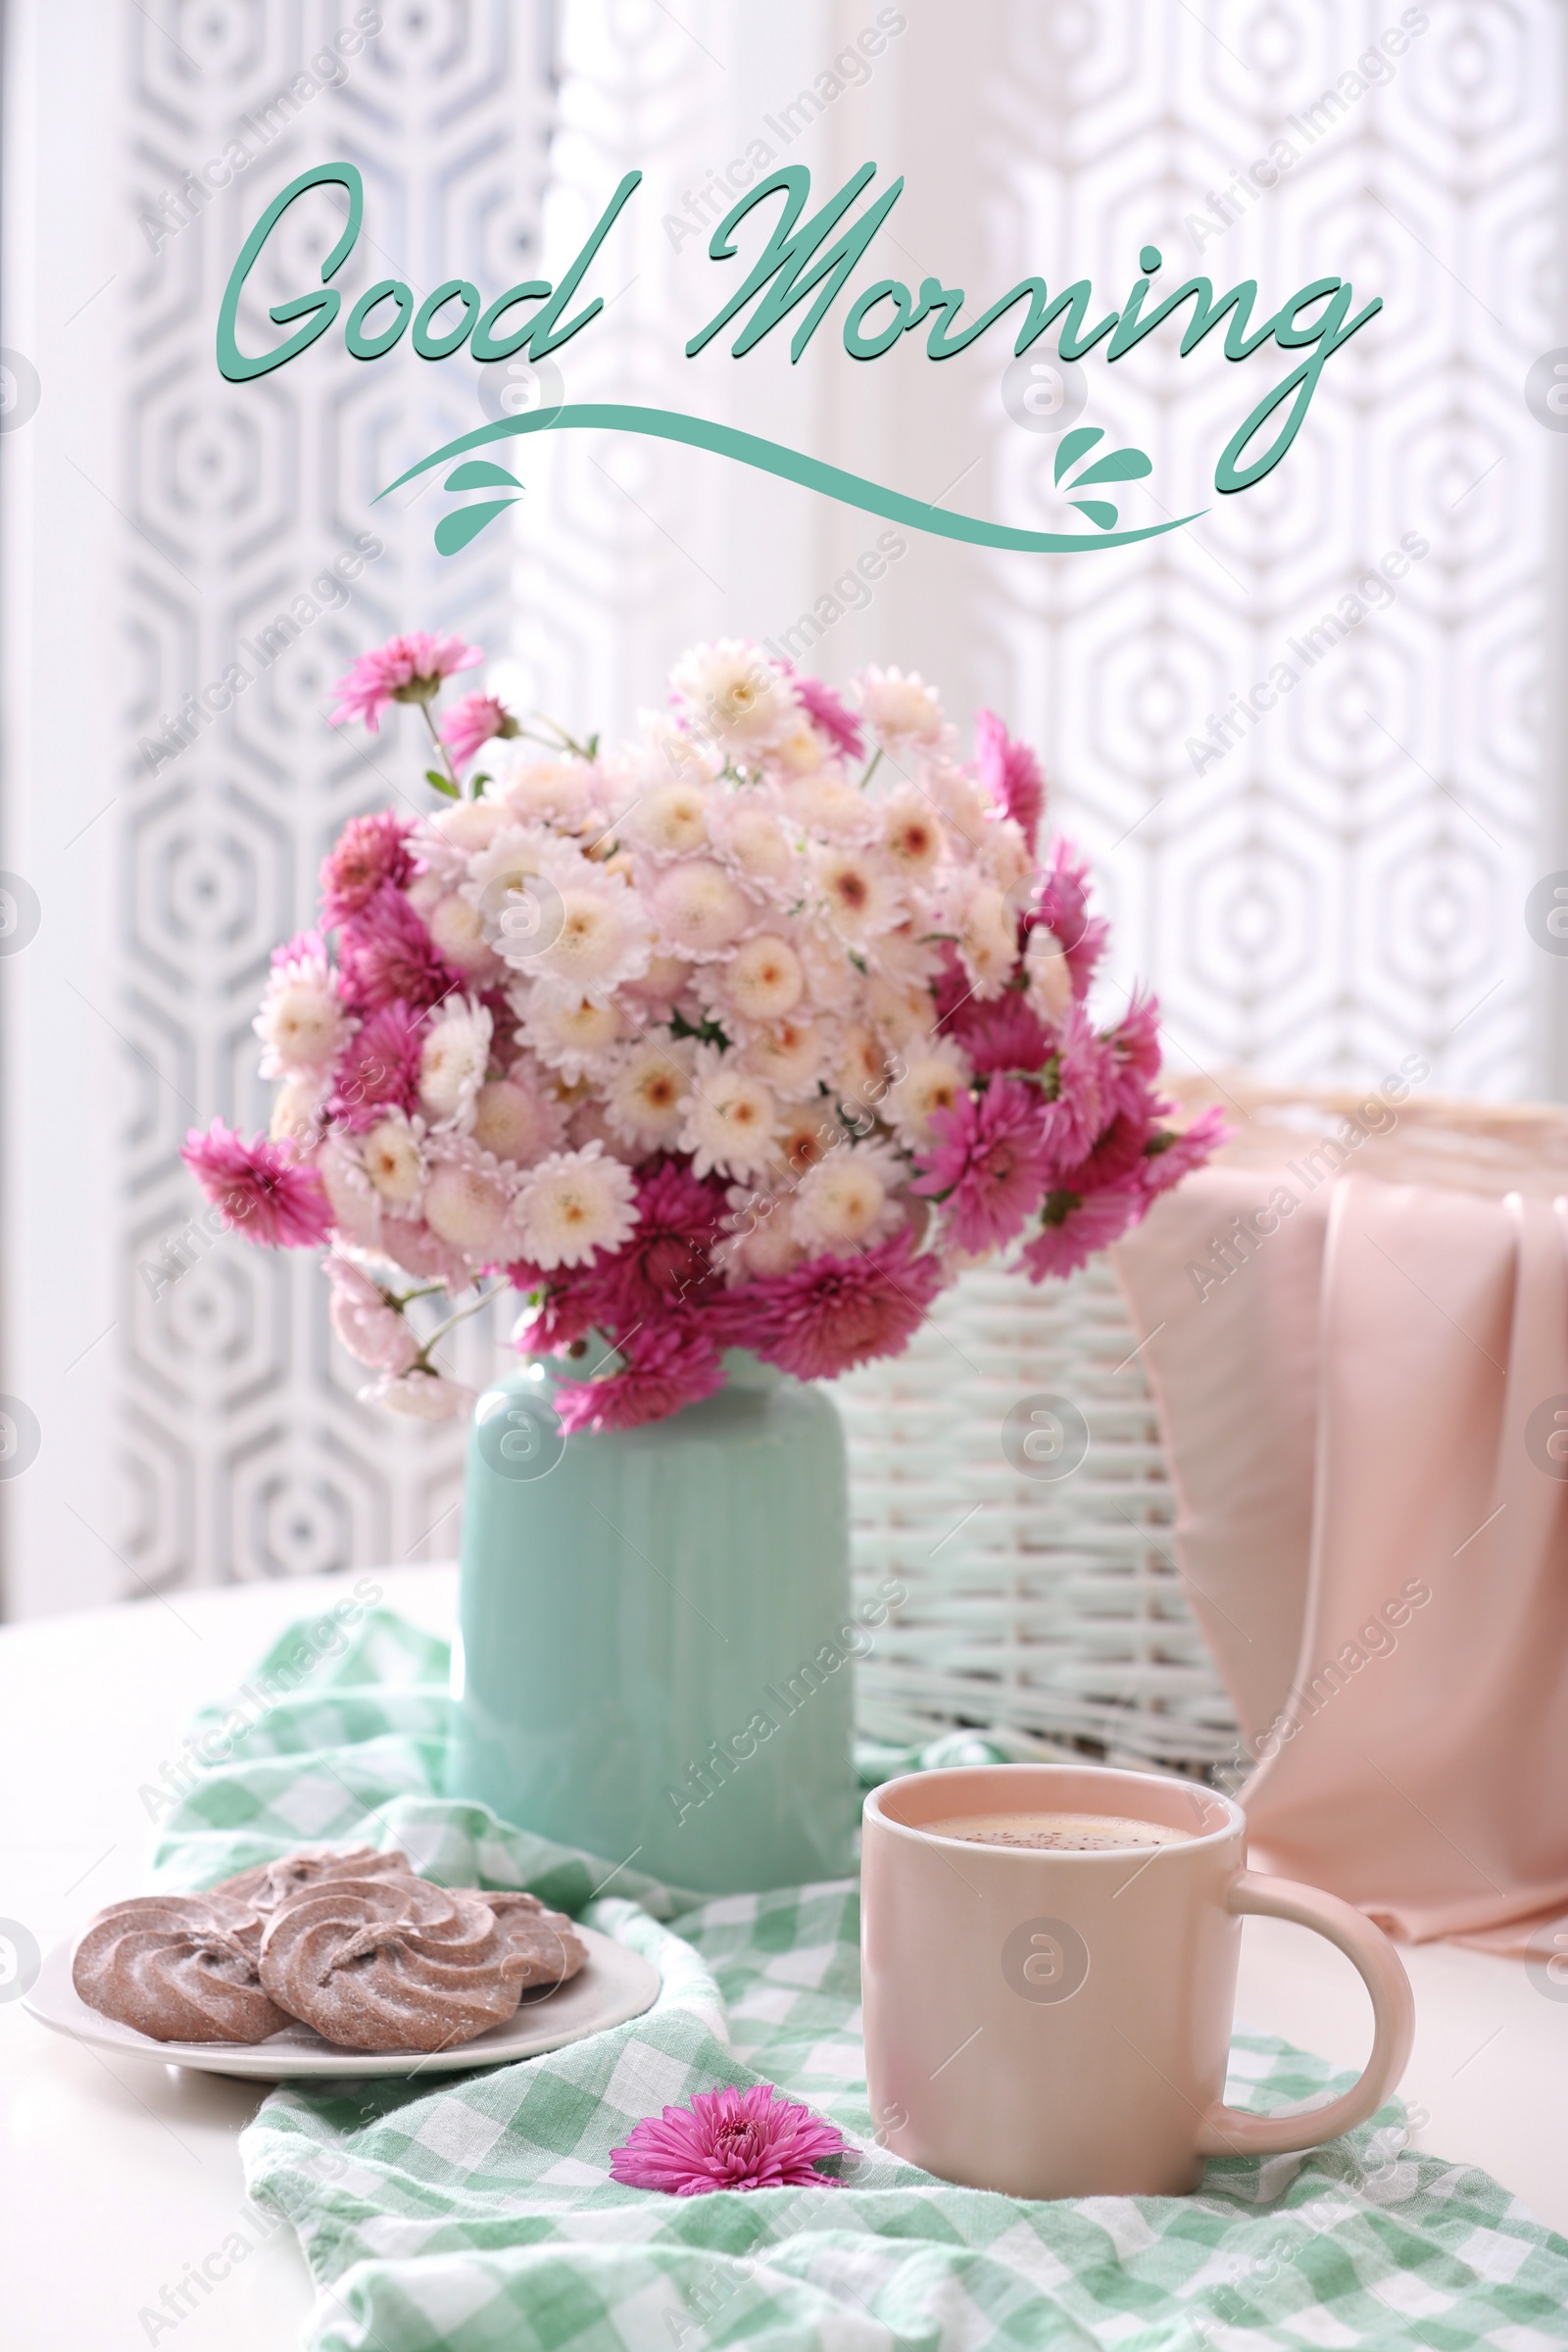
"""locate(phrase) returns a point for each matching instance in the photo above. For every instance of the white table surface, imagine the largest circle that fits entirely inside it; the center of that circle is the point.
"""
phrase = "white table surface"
(115, 2177)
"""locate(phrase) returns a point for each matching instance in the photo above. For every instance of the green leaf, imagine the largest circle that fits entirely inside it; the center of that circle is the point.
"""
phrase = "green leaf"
(453, 531)
(1097, 512)
(479, 474)
(441, 783)
(1122, 466)
(1073, 445)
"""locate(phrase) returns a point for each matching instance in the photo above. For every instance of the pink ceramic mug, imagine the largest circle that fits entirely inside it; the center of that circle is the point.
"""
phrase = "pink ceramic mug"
(1057, 2024)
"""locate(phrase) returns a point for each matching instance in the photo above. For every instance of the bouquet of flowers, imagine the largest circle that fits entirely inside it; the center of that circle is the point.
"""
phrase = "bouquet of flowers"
(752, 1032)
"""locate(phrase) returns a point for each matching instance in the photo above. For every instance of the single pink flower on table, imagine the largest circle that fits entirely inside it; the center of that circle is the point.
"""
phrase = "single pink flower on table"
(405, 669)
(372, 1332)
(1010, 772)
(826, 712)
(477, 720)
(385, 952)
(834, 1313)
(260, 1187)
(989, 1162)
(668, 1365)
(370, 850)
(729, 2138)
(1076, 1224)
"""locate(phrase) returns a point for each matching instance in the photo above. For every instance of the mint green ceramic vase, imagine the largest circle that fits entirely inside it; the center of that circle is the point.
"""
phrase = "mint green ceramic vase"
(655, 1633)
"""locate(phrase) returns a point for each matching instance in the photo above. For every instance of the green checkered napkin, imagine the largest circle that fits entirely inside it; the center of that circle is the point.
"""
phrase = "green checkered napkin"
(478, 2213)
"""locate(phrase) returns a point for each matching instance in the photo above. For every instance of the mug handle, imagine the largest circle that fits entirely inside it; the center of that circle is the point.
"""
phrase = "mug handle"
(1228, 2131)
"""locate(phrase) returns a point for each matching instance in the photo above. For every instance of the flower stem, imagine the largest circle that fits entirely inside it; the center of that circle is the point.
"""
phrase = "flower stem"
(580, 750)
(442, 753)
(877, 759)
(463, 1313)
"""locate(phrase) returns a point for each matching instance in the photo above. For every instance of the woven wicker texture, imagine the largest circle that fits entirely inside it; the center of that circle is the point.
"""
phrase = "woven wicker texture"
(1053, 1607)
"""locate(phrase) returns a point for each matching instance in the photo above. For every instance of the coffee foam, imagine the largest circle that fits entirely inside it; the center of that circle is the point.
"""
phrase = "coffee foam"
(1057, 1832)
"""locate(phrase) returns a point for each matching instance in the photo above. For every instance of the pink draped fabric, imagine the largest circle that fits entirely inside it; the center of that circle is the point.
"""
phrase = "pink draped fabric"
(1359, 1388)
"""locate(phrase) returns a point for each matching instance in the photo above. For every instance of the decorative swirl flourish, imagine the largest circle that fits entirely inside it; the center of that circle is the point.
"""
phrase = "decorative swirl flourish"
(747, 449)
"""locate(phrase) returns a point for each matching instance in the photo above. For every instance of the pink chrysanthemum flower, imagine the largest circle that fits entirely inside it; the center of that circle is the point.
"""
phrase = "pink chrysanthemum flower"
(827, 712)
(666, 1261)
(405, 669)
(380, 1068)
(1132, 1071)
(370, 850)
(1076, 1108)
(729, 2138)
(989, 1162)
(260, 1187)
(477, 720)
(1076, 1225)
(1010, 772)
(668, 1364)
(834, 1313)
(386, 953)
(1168, 1158)
(1005, 1034)
(1062, 903)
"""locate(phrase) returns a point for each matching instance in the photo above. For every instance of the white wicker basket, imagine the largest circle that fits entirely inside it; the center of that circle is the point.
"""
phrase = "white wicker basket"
(1055, 1609)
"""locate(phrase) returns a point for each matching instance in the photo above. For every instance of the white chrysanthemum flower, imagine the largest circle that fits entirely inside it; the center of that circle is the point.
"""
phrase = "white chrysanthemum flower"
(912, 834)
(572, 1206)
(297, 1107)
(302, 1023)
(864, 1068)
(597, 939)
(419, 1395)
(467, 1204)
(505, 867)
(732, 693)
(746, 829)
(831, 979)
(1004, 855)
(1048, 973)
(904, 1017)
(788, 1056)
(759, 1242)
(456, 926)
(394, 1162)
(847, 1201)
(899, 707)
(663, 982)
(700, 912)
(906, 957)
(987, 932)
(764, 979)
(355, 1203)
(806, 1135)
(968, 811)
(859, 892)
(518, 1117)
(571, 1038)
(664, 753)
(644, 1091)
(669, 821)
(468, 826)
(534, 787)
(730, 1117)
(453, 1055)
(932, 1082)
(825, 803)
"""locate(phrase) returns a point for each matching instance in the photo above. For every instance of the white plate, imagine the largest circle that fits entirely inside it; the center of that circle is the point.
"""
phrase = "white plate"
(617, 1983)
